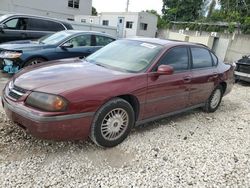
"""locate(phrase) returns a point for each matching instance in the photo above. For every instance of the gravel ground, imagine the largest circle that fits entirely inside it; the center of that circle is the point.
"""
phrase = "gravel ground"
(193, 149)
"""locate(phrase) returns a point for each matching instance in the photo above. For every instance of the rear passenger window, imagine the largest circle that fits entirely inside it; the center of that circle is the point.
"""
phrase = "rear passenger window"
(177, 58)
(201, 58)
(54, 26)
(103, 41)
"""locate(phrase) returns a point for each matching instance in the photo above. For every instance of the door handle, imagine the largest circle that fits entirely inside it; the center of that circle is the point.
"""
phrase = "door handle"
(187, 79)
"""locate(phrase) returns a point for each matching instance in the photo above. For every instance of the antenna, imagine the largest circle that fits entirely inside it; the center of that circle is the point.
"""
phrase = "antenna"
(127, 6)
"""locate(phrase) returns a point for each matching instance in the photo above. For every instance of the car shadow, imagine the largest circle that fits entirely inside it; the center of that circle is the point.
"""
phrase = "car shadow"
(243, 83)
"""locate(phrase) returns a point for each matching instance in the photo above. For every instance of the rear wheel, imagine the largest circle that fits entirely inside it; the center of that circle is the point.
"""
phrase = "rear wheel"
(34, 61)
(214, 100)
(112, 123)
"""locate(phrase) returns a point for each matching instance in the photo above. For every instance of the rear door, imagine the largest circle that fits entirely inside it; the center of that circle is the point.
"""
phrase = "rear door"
(204, 75)
(38, 28)
(169, 93)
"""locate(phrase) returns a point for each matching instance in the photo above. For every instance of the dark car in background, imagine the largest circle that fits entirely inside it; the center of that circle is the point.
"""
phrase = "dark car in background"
(22, 27)
(64, 44)
(242, 71)
(128, 82)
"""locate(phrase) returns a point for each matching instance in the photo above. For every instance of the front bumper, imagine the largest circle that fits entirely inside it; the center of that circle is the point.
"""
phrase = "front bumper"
(62, 127)
(242, 76)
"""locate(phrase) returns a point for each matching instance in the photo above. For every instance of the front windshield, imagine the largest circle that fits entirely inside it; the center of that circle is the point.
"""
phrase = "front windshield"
(55, 38)
(126, 55)
(3, 18)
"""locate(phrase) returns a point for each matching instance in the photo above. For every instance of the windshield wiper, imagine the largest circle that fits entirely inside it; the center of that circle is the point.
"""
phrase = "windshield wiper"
(101, 65)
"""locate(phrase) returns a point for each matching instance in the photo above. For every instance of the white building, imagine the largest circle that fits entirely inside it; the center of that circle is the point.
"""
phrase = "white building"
(128, 24)
(62, 9)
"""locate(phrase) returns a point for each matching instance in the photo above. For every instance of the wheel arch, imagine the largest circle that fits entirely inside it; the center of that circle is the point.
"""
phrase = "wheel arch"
(134, 102)
(224, 86)
(33, 57)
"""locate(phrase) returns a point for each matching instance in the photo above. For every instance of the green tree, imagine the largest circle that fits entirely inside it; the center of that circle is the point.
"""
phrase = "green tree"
(240, 6)
(211, 8)
(179, 10)
(161, 22)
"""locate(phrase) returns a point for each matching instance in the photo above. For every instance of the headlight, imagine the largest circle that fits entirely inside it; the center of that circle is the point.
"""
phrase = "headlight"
(47, 102)
(10, 55)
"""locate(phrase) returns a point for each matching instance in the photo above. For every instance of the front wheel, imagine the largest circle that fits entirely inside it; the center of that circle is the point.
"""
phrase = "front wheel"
(214, 100)
(112, 123)
(34, 61)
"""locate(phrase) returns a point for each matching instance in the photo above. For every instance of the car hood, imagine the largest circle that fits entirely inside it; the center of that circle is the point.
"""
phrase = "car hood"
(23, 46)
(245, 61)
(65, 75)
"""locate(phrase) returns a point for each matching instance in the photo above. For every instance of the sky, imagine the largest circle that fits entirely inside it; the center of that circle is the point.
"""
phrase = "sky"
(120, 5)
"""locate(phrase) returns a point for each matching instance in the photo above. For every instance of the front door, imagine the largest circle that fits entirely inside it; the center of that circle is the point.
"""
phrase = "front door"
(169, 93)
(82, 46)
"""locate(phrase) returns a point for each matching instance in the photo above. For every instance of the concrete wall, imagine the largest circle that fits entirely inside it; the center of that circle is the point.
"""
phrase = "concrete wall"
(239, 45)
(206, 40)
(177, 36)
(88, 19)
(93, 27)
(52, 8)
(228, 47)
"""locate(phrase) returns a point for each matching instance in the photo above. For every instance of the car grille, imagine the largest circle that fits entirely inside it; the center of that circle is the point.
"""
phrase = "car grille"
(16, 92)
(243, 68)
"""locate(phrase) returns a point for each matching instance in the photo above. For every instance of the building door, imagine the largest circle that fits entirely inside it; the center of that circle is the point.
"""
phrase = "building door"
(120, 27)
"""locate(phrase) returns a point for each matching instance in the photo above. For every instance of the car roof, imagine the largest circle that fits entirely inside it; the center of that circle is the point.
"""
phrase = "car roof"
(87, 32)
(165, 42)
(42, 17)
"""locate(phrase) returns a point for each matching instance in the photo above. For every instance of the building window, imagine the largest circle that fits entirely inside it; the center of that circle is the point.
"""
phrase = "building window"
(129, 25)
(83, 20)
(144, 26)
(105, 22)
(74, 3)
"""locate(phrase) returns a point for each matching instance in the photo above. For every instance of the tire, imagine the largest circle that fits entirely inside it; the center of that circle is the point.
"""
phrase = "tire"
(34, 61)
(214, 100)
(112, 123)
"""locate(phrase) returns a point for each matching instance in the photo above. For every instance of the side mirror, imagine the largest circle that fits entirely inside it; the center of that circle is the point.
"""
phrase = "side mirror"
(2, 27)
(165, 70)
(67, 45)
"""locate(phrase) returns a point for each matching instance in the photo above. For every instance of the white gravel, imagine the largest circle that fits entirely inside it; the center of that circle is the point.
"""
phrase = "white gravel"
(193, 149)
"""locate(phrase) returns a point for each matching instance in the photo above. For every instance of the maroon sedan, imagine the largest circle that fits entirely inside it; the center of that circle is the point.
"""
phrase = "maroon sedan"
(127, 83)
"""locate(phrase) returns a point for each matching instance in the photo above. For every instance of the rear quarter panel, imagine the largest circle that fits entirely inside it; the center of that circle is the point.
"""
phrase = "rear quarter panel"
(226, 74)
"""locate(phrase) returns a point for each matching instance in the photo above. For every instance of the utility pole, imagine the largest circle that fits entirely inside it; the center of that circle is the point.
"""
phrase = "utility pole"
(127, 6)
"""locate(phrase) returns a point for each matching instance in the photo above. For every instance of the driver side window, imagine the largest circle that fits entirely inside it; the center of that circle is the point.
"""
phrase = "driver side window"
(80, 41)
(17, 24)
(177, 58)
